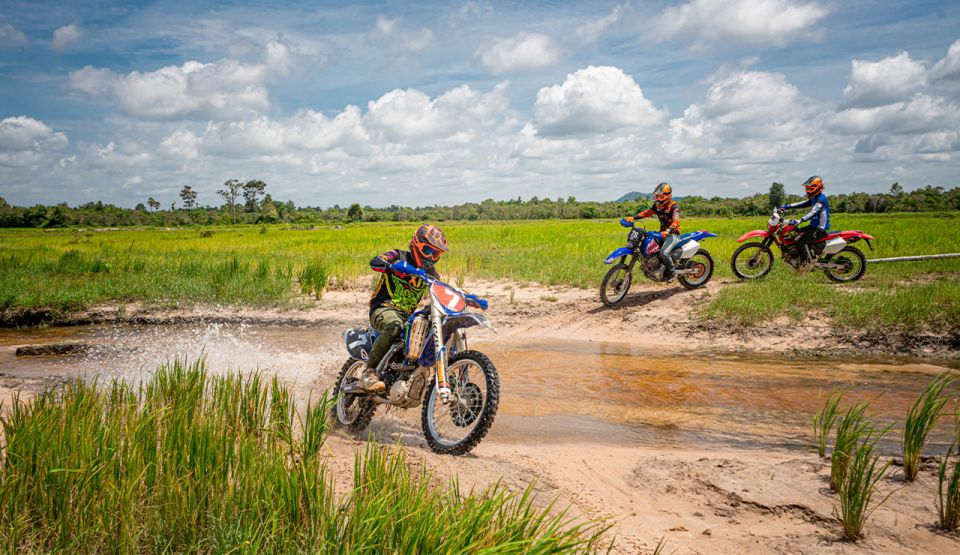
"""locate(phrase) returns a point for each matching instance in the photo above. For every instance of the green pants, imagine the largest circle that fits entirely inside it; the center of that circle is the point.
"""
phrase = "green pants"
(389, 324)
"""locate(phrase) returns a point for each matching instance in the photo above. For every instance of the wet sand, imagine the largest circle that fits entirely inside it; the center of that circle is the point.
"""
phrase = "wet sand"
(705, 442)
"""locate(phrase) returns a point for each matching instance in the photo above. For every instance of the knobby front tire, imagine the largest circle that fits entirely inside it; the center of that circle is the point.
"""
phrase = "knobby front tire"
(757, 262)
(483, 421)
(619, 277)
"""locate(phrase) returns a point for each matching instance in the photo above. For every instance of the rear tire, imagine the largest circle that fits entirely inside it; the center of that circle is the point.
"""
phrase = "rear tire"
(483, 421)
(703, 278)
(619, 277)
(756, 265)
(353, 412)
(856, 272)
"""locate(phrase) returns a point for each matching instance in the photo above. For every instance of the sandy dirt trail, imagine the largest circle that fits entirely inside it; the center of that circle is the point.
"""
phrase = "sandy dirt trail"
(697, 499)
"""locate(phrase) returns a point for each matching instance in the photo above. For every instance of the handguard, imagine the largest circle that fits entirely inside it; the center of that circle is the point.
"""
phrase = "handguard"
(626, 223)
(476, 301)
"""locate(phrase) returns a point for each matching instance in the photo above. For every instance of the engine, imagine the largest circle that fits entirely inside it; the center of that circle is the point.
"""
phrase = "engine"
(652, 268)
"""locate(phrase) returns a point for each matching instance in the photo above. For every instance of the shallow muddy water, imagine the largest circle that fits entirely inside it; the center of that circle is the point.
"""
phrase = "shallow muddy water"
(552, 391)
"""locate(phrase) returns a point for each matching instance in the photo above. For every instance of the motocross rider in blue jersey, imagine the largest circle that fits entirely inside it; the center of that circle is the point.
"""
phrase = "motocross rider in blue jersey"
(818, 216)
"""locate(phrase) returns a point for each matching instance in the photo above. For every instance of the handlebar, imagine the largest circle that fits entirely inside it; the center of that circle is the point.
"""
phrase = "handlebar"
(402, 267)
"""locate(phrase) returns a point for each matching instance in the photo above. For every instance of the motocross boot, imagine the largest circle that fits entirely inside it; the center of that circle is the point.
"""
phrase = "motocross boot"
(370, 381)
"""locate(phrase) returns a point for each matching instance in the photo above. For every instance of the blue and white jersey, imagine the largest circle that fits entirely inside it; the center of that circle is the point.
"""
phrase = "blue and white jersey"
(819, 214)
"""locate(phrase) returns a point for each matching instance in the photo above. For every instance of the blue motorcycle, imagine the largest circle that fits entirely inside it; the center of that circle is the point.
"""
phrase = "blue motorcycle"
(430, 366)
(693, 263)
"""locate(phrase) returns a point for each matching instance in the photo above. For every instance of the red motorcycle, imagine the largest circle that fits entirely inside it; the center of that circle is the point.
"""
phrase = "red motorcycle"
(832, 254)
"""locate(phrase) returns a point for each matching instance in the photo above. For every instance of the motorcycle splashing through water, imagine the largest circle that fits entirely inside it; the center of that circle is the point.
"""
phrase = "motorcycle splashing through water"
(832, 253)
(431, 365)
(693, 263)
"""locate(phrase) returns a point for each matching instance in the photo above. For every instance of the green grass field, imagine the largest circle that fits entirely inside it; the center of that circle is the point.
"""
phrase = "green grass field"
(69, 270)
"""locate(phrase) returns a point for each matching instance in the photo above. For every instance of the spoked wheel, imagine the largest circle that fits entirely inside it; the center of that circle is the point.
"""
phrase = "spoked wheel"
(702, 265)
(615, 284)
(459, 427)
(853, 265)
(752, 261)
(352, 411)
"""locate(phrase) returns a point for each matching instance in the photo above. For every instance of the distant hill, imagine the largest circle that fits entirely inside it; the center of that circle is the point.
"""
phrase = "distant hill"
(634, 195)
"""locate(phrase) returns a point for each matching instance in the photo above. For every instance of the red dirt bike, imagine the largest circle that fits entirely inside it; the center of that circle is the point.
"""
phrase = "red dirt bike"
(832, 254)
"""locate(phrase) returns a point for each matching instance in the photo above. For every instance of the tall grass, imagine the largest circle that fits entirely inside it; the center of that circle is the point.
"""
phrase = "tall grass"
(314, 277)
(851, 427)
(948, 482)
(824, 420)
(921, 418)
(191, 462)
(240, 265)
(859, 483)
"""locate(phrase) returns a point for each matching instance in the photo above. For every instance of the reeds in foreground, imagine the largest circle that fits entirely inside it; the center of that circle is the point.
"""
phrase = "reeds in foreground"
(948, 488)
(921, 418)
(850, 429)
(193, 462)
(824, 420)
(859, 484)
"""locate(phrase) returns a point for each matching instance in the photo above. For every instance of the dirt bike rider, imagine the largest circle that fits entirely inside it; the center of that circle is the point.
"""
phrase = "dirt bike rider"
(668, 212)
(818, 216)
(396, 296)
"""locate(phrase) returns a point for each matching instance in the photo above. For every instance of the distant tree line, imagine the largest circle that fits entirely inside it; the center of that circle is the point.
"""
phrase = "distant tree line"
(249, 203)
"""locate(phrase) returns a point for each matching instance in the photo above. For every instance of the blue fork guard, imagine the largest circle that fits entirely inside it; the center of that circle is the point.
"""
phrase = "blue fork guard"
(617, 254)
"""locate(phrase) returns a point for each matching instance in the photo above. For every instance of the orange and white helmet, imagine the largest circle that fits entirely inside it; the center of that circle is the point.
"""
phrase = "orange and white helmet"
(663, 194)
(813, 186)
(428, 244)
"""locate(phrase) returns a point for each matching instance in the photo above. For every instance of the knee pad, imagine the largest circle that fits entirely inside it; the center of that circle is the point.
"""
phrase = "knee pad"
(392, 330)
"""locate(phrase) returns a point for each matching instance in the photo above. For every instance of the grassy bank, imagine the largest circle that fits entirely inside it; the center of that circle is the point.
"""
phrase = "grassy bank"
(68, 270)
(190, 462)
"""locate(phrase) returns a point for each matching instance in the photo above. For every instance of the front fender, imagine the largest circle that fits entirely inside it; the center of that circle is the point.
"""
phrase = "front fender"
(752, 234)
(617, 254)
(465, 320)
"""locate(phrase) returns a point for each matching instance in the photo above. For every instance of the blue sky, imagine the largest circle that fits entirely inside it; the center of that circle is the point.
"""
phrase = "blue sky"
(439, 102)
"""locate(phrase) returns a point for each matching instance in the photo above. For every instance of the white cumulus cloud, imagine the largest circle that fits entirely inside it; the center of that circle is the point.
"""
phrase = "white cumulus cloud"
(520, 53)
(748, 21)
(883, 82)
(593, 100)
(66, 36)
(948, 68)
(10, 36)
(225, 89)
(25, 141)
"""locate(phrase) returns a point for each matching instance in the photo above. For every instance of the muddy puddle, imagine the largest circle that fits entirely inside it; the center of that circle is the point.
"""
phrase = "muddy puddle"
(552, 391)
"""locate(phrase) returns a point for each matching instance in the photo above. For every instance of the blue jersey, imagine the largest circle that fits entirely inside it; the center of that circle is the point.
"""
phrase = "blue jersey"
(819, 214)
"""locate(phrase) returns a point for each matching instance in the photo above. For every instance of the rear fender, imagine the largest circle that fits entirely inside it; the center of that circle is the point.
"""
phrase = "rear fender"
(755, 233)
(702, 234)
(617, 254)
(854, 235)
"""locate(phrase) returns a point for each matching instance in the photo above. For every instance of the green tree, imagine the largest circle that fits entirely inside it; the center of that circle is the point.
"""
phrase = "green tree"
(777, 195)
(230, 193)
(896, 190)
(153, 204)
(189, 197)
(252, 191)
(355, 212)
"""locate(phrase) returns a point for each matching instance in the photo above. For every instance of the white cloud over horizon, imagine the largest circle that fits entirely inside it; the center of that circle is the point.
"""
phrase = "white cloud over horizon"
(383, 106)
(708, 22)
(520, 53)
